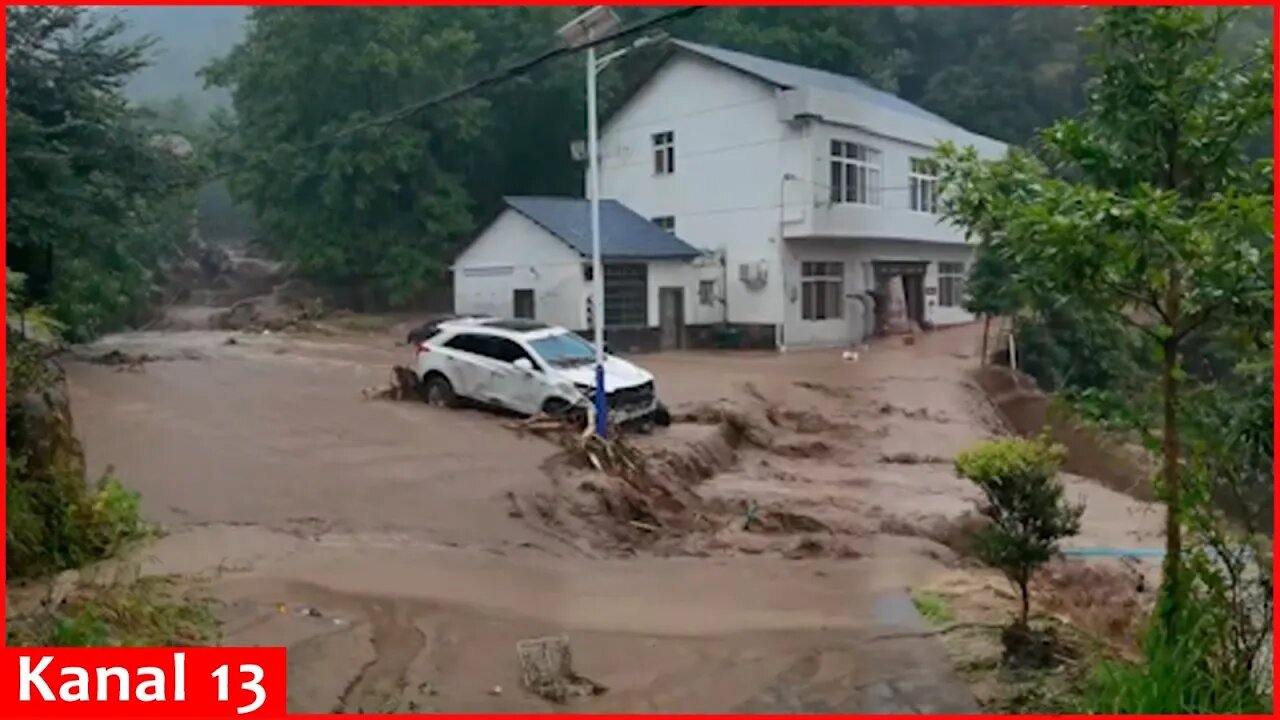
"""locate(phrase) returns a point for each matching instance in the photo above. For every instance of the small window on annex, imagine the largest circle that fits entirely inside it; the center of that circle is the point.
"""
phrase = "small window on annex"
(707, 292)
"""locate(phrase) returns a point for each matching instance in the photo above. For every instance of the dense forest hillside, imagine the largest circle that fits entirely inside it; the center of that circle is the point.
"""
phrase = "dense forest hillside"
(412, 189)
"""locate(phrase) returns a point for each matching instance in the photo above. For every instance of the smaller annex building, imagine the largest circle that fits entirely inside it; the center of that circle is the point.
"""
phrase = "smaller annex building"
(534, 261)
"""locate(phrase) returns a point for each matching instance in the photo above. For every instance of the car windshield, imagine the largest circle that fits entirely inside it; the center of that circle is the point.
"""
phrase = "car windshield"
(564, 349)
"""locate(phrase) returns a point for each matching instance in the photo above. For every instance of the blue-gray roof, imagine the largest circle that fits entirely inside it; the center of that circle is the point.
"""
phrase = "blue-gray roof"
(786, 75)
(624, 235)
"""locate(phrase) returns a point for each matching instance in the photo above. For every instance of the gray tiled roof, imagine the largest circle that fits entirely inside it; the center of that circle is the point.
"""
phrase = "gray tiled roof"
(624, 235)
(786, 75)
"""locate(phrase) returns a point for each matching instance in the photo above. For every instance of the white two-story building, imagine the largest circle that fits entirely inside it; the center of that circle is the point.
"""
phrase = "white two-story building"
(812, 192)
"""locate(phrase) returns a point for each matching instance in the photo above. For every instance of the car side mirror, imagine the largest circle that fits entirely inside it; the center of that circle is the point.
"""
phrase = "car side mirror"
(524, 364)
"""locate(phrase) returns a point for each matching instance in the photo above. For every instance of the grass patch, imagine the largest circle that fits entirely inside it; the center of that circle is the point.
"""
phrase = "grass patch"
(150, 612)
(1175, 677)
(933, 608)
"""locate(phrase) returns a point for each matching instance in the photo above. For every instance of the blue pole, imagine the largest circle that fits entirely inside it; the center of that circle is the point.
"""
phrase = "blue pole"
(597, 270)
(602, 403)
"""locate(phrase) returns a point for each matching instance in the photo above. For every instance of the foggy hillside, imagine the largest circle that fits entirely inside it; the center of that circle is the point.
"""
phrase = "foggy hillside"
(188, 38)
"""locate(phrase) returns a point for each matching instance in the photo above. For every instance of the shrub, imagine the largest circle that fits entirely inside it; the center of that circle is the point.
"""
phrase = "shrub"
(59, 522)
(1025, 505)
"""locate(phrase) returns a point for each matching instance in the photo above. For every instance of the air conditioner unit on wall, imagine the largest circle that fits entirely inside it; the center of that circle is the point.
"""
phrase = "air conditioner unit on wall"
(754, 275)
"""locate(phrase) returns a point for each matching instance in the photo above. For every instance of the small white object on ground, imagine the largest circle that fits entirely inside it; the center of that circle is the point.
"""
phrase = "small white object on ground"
(850, 356)
(497, 690)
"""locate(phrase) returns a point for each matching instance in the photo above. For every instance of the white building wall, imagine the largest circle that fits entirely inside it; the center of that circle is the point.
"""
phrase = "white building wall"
(515, 253)
(858, 256)
(752, 165)
(730, 156)
(671, 273)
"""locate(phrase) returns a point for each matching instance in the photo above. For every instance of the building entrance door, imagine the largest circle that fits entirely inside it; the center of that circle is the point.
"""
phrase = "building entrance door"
(899, 296)
(671, 317)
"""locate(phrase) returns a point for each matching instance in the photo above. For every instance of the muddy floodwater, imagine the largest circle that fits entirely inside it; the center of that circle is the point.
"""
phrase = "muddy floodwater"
(401, 551)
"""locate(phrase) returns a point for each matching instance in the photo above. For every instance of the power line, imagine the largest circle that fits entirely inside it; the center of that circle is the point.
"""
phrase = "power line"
(498, 77)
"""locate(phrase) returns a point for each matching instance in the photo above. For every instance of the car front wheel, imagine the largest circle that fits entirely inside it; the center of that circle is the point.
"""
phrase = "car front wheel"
(561, 408)
(437, 391)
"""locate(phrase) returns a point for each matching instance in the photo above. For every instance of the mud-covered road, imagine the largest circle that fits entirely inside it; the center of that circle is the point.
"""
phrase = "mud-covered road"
(401, 551)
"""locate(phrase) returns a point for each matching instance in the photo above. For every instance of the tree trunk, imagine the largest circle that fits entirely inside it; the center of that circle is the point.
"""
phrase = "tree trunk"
(986, 329)
(1023, 587)
(1172, 601)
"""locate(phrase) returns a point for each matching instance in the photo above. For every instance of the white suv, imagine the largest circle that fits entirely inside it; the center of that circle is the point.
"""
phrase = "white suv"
(528, 367)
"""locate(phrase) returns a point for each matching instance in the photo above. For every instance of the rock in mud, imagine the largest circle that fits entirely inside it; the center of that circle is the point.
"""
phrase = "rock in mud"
(40, 426)
(546, 670)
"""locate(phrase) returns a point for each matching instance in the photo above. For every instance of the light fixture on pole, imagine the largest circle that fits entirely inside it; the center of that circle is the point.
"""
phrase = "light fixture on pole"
(588, 27)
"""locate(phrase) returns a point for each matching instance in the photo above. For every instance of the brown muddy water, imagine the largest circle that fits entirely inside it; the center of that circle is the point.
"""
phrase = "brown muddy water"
(401, 551)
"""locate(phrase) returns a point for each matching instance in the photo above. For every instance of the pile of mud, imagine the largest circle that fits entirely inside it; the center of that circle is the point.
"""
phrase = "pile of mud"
(636, 491)
(225, 287)
(644, 492)
(1109, 600)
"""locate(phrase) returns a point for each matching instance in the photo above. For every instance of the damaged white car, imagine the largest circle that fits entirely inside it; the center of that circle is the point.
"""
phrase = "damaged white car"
(529, 368)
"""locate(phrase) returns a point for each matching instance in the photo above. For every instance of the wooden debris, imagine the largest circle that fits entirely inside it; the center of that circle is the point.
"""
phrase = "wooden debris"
(404, 385)
(630, 494)
(123, 361)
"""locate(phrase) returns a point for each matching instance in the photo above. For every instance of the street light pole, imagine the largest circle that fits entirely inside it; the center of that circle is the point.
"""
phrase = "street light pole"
(583, 30)
(597, 269)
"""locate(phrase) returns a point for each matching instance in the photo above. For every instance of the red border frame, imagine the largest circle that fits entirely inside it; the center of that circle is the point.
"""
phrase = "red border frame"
(1276, 197)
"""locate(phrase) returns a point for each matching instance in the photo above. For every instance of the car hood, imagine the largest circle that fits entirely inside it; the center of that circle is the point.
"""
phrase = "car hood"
(618, 373)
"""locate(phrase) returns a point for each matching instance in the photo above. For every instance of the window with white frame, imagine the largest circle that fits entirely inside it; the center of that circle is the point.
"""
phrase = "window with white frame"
(666, 222)
(707, 292)
(922, 182)
(664, 153)
(855, 173)
(821, 290)
(951, 277)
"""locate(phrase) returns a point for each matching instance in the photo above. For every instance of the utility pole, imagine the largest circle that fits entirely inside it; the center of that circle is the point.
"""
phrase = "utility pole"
(587, 27)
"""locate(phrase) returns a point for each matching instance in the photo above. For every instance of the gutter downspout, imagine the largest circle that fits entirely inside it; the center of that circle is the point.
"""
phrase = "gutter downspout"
(779, 333)
(724, 287)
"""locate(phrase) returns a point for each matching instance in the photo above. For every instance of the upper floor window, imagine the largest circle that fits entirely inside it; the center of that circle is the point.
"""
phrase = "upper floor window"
(951, 284)
(664, 153)
(666, 222)
(855, 173)
(923, 185)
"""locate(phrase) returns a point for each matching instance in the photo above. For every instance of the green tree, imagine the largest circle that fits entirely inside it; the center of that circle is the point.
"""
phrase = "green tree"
(1145, 209)
(1027, 512)
(344, 196)
(95, 203)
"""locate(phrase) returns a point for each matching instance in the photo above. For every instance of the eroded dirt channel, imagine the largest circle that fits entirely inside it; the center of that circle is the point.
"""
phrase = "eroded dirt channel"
(400, 551)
